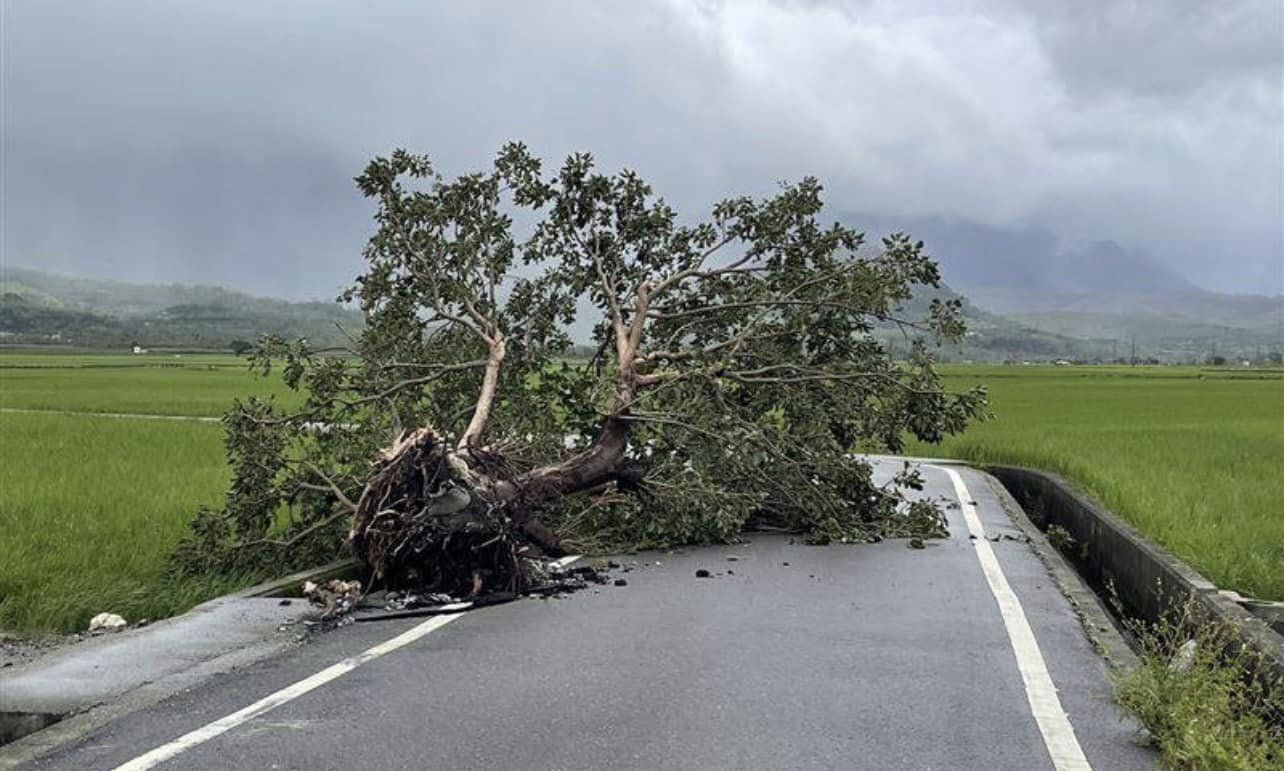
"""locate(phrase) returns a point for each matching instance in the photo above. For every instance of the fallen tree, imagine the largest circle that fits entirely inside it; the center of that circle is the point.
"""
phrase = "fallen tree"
(736, 371)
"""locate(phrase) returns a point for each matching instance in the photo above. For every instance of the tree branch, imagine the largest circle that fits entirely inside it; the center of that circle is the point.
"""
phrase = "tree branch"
(334, 488)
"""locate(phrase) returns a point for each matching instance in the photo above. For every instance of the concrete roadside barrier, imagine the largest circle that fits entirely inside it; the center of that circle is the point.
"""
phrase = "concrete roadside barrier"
(1131, 571)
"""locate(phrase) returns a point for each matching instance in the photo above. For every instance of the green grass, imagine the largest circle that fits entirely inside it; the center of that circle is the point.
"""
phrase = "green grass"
(90, 508)
(1193, 458)
(1194, 690)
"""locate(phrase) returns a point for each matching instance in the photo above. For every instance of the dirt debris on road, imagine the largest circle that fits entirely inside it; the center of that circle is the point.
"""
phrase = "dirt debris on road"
(339, 599)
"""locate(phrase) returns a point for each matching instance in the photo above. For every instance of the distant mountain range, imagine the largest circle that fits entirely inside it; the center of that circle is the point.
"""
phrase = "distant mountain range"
(1099, 293)
(1153, 319)
(1031, 312)
(38, 307)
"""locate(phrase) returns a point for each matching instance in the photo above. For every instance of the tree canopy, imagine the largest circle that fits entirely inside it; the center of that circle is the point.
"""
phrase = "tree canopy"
(736, 375)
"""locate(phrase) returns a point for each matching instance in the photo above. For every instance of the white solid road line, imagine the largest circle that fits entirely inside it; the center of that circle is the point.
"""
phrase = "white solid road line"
(1058, 734)
(289, 693)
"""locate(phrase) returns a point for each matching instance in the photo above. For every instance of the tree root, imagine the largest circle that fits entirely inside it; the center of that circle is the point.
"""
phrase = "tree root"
(428, 520)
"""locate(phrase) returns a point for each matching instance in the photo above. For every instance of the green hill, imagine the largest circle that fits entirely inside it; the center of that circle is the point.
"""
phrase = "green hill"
(38, 307)
(993, 337)
(1189, 326)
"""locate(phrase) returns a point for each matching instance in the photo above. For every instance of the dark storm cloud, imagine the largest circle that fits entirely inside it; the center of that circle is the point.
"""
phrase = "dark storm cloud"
(1161, 49)
(216, 142)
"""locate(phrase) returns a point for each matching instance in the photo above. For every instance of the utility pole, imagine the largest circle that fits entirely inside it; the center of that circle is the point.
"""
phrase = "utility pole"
(1133, 359)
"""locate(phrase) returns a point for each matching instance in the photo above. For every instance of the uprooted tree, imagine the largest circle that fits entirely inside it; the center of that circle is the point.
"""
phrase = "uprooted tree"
(737, 370)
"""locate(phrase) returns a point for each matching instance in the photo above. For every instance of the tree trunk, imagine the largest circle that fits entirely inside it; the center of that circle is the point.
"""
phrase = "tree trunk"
(485, 399)
(592, 468)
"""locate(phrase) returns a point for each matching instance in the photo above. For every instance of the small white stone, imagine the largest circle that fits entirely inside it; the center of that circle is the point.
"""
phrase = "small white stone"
(106, 622)
(1184, 659)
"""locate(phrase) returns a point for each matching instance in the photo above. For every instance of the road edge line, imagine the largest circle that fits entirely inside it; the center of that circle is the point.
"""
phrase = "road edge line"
(1054, 725)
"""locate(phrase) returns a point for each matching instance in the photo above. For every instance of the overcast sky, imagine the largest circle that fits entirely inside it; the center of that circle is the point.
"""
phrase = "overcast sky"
(217, 141)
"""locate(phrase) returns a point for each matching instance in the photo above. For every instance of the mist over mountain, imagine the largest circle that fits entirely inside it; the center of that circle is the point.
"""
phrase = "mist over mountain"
(973, 255)
(1104, 297)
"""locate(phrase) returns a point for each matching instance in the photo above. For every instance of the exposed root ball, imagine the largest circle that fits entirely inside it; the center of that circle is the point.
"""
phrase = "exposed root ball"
(426, 521)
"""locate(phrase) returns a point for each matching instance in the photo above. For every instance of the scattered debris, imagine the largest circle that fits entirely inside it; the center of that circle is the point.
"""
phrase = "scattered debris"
(334, 597)
(106, 622)
(547, 580)
(410, 600)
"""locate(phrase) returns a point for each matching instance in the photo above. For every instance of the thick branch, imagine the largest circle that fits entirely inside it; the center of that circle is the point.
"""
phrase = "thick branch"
(636, 327)
(597, 465)
(485, 399)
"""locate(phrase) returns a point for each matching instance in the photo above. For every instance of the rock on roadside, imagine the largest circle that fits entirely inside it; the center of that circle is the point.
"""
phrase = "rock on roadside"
(106, 622)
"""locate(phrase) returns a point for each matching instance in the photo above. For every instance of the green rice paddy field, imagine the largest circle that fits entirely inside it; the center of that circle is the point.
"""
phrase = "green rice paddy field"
(92, 501)
(1194, 458)
(91, 504)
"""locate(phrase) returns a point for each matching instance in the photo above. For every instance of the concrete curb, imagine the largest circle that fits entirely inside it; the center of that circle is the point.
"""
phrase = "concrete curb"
(1100, 627)
(1148, 581)
(52, 702)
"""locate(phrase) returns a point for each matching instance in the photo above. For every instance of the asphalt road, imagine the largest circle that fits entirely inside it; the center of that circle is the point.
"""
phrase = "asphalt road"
(846, 657)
